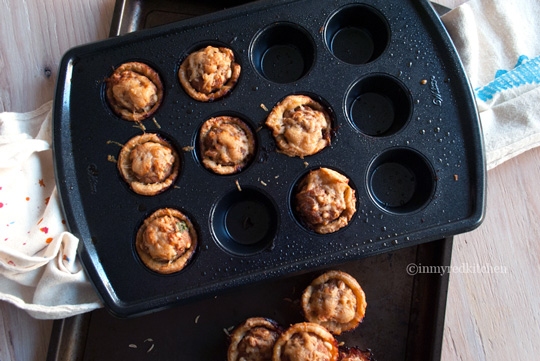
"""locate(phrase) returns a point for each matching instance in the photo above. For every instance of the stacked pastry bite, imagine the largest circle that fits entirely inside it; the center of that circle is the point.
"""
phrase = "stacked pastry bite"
(333, 303)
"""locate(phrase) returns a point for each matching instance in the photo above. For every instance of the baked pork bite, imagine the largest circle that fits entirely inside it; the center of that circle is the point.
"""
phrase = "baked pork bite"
(354, 354)
(306, 342)
(134, 91)
(324, 201)
(253, 340)
(336, 301)
(226, 144)
(300, 126)
(149, 164)
(166, 241)
(209, 74)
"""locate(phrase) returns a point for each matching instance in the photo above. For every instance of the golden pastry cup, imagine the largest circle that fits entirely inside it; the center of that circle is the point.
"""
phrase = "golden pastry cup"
(214, 94)
(171, 266)
(313, 330)
(333, 325)
(275, 121)
(117, 107)
(241, 331)
(217, 123)
(336, 182)
(124, 166)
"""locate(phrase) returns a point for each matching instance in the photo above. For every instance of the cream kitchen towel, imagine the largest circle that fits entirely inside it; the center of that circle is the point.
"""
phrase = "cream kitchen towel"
(39, 270)
(499, 44)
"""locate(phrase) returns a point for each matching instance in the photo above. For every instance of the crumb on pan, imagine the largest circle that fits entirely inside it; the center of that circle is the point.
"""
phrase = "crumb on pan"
(115, 142)
(139, 125)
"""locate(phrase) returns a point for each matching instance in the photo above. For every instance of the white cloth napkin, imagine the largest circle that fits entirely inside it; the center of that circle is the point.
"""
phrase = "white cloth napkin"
(39, 270)
(499, 44)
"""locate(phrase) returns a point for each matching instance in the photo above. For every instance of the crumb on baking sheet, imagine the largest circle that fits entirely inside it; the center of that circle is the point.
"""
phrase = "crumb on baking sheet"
(132, 345)
(111, 158)
(423, 81)
(306, 164)
(238, 185)
(263, 183)
(197, 318)
(456, 177)
(156, 122)
(264, 107)
(188, 148)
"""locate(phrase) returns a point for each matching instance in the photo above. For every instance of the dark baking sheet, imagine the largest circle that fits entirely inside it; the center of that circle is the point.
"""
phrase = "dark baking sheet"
(404, 316)
(105, 214)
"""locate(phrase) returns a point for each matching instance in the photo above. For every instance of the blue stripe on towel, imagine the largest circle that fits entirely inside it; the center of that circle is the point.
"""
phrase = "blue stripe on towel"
(527, 71)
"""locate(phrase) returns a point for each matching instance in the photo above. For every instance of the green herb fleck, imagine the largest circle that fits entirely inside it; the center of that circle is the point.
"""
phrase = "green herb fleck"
(182, 226)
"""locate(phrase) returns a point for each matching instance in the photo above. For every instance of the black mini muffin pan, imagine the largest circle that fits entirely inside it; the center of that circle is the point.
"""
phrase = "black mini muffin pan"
(405, 132)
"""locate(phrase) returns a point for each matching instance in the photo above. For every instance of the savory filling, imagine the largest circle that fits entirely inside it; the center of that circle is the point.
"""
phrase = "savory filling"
(334, 301)
(227, 144)
(306, 347)
(151, 162)
(134, 91)
(304, 129)
(300, 126)
(209, 73)
(325, 201)
(166, 238)
(257, 345)
(254, 340)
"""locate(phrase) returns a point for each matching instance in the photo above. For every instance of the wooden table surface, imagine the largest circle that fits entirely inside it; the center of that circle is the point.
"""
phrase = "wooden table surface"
(490, 316)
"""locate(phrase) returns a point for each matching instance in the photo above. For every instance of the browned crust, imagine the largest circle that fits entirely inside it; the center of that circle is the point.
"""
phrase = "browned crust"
(124, 166)
(220, 93)
(306, 327)
(325, 177)
(354, 354)
(142, 69)
(217, 123)
(333, 326)
(240, 332)
(173, 265)
(275, 122)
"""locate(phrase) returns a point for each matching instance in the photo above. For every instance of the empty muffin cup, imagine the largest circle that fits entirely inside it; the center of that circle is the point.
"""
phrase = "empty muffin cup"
(282, 52)
(378, 105)
(401, 181)
(244, 222)
(357, 34)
